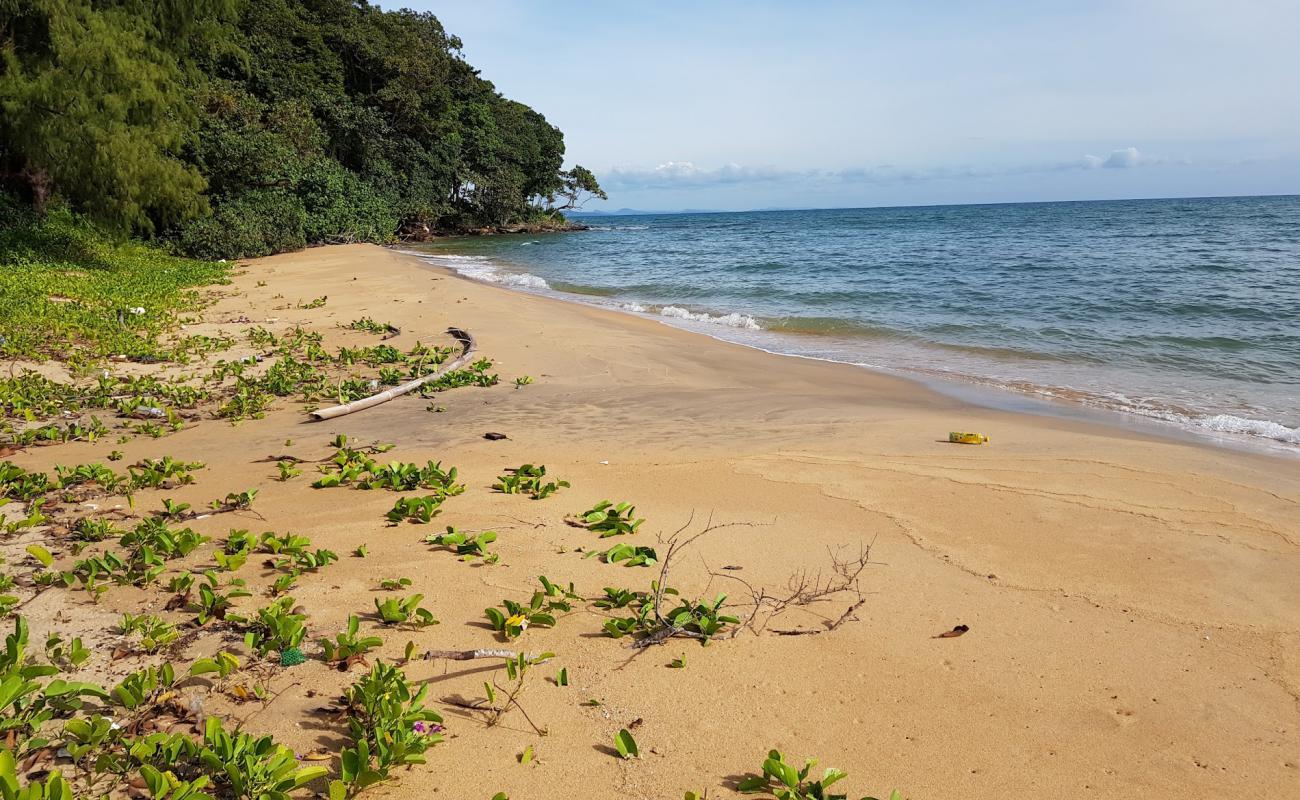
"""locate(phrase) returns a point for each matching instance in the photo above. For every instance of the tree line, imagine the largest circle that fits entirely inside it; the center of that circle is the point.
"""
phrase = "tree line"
(231, 128)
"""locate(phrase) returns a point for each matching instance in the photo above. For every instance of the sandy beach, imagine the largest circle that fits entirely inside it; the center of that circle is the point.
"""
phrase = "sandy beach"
(1133, 602)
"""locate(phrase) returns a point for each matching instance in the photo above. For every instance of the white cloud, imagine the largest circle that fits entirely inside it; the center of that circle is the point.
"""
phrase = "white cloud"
(1125, 158)
(686, 175)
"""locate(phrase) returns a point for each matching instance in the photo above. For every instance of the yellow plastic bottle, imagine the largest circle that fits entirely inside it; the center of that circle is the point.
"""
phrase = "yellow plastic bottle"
(958, 437)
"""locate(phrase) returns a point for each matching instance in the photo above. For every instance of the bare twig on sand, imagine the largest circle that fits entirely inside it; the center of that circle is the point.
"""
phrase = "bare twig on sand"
(516, 667)
(804, 590)
(676, 544)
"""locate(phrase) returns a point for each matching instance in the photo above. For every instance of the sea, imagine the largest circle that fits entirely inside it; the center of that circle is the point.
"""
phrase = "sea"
(1184, 313)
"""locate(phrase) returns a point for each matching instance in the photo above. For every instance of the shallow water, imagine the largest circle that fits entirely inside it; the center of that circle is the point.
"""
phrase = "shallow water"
(1186, 311)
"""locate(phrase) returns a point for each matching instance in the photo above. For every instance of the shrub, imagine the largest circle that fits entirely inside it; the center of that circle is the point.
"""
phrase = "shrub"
(255, 224)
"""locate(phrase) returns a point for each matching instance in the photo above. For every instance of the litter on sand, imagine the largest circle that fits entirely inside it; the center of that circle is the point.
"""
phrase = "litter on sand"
(954, 633)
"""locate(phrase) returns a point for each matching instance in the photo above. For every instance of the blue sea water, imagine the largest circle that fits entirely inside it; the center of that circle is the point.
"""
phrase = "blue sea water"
(1186, 311)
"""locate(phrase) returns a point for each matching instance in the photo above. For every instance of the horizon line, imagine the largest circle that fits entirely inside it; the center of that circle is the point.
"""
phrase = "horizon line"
(636, 212)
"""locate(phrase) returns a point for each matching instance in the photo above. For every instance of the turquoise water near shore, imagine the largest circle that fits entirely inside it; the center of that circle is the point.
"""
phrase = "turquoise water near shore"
(1185, 311)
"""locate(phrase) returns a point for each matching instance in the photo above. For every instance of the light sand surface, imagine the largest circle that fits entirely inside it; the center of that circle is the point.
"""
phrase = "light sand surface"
(1133, 602)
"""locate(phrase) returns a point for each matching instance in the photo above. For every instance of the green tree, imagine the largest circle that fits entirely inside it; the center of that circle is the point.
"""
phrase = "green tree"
(243, 127)
(96, 106)
(577, 186)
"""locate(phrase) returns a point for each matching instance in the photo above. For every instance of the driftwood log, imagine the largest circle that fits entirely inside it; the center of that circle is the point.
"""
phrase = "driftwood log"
(467, 352)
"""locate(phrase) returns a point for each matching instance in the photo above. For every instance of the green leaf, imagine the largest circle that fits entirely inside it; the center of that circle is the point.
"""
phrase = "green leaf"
(527, 755)
(626, 745)
(308, 774)
(833, 775)
(40, 554)
(154, 780)
(752, 784)
(783, 772)
(203, 666)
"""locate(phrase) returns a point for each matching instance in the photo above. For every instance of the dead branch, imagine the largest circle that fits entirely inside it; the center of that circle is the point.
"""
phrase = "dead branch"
(470, 655)
(805, 590)
(467, 351)
(676, 544)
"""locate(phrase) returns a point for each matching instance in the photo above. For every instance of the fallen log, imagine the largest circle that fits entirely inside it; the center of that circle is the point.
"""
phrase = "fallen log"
(467, 351)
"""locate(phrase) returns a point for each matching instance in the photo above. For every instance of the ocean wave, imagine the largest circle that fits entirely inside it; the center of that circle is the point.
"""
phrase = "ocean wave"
(451, 257)
(1206, 422)
(1228, 423)
(732, 320)
(525, 279)
(482, 268)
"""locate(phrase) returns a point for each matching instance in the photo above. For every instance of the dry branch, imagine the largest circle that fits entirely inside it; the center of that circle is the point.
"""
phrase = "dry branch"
(467, 351)
(676, 544)
(470, 655)
(804, 590)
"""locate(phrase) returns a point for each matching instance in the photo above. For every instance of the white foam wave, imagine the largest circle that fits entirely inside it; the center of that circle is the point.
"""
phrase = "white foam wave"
(1214, 423)
(524, 279)
(455, 259)
(732, 320)
(637, 307)
(481, 268)
(1228, 423)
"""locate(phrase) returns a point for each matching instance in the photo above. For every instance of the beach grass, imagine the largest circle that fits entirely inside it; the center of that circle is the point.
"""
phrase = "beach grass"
(69, 291)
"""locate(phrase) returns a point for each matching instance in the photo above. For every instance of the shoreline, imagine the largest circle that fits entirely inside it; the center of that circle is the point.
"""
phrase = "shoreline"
(1056, 402)
(1131, 600)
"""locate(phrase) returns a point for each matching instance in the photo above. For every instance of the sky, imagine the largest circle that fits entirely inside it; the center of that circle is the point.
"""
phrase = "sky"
(741, 105)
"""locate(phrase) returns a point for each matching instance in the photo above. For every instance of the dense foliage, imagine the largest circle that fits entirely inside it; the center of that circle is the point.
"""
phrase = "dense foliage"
(244, 127)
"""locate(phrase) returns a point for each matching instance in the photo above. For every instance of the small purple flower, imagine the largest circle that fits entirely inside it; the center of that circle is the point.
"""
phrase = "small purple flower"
(436, 729)
(419, 727)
